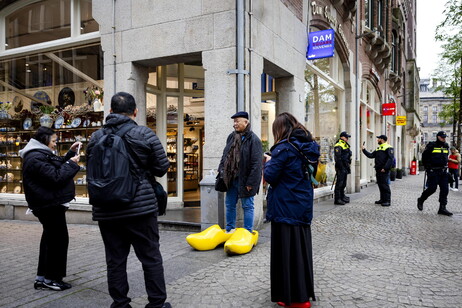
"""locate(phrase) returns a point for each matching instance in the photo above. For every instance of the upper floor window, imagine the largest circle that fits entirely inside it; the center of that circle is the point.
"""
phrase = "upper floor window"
(425, 109)
(380, 22)
(435, 108)
(369, 13)
(47, 20)
(394, 52)
(425, 118)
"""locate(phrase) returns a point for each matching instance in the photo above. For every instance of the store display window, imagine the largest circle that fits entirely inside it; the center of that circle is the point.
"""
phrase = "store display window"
(61, 89)
(324, 100)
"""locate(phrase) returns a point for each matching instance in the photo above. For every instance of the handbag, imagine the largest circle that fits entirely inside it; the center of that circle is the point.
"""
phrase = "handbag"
(220, 184)
(161, 196)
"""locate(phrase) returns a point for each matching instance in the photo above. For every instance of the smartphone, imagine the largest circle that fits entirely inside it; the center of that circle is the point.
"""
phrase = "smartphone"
(78, 149)
(364, 142)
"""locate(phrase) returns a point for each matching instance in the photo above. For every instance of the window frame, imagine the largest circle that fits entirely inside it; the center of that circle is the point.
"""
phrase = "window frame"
(76, 38)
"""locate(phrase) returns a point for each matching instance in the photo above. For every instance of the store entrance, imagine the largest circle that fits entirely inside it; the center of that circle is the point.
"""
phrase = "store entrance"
(175, 111)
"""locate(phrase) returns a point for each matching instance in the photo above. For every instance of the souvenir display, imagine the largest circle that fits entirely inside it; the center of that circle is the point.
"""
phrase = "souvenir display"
(66, 97)
(17, 190)
(76, 122)
(27, 124)
(17, 104)
(59, 122)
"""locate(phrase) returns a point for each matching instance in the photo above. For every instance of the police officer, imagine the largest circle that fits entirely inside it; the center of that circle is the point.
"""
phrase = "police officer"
(342, 156)
(435, 161)
(384, 156)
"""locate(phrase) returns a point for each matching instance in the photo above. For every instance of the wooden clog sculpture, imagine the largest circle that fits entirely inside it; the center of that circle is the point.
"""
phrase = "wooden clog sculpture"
(208, 239)
(241, 241)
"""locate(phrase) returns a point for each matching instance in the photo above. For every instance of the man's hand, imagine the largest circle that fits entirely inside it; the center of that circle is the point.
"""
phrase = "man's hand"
(75, 159)
(249, 188)
(383, 170)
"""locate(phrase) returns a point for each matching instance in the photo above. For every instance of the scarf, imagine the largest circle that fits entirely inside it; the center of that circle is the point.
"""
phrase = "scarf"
(231, 165)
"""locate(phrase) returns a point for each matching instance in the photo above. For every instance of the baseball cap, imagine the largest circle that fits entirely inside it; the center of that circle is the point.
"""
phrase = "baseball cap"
(241, 114)
(441, 134)
(345, 134)
(382, 137)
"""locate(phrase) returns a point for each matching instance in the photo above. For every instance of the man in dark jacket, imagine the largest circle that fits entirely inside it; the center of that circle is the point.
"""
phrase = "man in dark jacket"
(435, 161)
(241, 166)
(384, 156)
(135, 223)
(342, 155)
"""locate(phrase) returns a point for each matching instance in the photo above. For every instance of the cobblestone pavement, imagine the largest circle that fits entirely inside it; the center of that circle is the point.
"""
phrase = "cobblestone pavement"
(364, 256)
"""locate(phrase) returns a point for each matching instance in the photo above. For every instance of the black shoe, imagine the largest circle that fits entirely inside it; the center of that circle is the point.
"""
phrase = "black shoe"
(346, 199)
(419, 204)
(38, 285)
(386, 204)
(378, 202)
(57, 285)
(339, 202)
(167, 305)
(444, 212)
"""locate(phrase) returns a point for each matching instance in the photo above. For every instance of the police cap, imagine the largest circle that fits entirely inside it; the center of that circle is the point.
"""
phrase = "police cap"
(382, 137)
(442, 134)
(345, 134)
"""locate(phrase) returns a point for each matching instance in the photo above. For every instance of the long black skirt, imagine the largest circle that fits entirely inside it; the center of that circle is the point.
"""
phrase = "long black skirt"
(291, 264)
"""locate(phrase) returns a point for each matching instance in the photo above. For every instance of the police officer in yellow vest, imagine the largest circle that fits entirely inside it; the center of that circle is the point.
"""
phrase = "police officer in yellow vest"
(384, 156)
(342, 155)
(435, 161)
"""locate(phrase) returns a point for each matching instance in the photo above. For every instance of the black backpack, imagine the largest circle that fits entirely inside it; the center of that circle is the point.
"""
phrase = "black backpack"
(109, 168)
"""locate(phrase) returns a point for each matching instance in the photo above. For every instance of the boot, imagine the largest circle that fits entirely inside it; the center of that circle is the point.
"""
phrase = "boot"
(419, 204)
(346, 199)
(339, 202)
(443, 211)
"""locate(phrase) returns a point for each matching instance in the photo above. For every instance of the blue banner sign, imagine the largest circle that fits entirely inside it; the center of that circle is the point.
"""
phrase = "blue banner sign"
(321, 44)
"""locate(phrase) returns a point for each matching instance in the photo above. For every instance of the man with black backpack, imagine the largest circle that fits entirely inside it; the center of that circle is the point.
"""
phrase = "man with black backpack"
(125, 205)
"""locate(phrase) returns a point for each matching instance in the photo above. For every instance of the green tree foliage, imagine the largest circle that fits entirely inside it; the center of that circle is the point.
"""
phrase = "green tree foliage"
(449, 32)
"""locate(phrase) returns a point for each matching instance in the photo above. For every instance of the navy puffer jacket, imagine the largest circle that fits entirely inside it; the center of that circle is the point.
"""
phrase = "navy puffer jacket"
(151, 154)
(290, 195)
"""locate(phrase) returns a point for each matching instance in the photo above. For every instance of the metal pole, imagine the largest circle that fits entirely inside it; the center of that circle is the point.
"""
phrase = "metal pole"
(240, 53)
(357, 77)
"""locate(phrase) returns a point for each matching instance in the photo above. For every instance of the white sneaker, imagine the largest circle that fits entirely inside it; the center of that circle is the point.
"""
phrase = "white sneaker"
(455, 189)
(450, 188)
(231, 231)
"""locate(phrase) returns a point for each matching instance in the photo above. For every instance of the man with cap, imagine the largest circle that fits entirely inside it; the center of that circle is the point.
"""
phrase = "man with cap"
(241, 167)
(384, 156)
(435, 161)
(342, 156)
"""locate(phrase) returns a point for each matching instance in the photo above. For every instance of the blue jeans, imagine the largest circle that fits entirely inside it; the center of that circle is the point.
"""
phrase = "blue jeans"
(247, 206)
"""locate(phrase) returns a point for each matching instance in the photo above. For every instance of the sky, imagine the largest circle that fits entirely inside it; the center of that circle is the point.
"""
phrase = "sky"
(429, 15)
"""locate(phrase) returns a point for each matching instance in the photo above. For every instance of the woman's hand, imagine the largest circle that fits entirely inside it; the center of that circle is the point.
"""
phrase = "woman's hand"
(75, 159)
(75, 146)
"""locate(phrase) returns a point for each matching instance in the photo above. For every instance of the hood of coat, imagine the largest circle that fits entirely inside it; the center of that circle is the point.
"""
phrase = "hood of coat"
(305, 144)
(33, 145)
(115, 120)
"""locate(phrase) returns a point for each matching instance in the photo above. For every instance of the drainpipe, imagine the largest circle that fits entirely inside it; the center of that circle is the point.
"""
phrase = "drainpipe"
(240, 34)
(114, 45)
(357, 132)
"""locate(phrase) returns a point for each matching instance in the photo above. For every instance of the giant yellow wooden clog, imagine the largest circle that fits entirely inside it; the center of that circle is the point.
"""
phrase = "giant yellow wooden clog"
(208, 239)
(241, 241)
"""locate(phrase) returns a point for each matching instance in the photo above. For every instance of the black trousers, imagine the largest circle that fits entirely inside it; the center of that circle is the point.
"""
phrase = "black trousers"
(436, 178)
(384, 187)
(54, 242)
(340, 184)
(143, 234)
(455, 175)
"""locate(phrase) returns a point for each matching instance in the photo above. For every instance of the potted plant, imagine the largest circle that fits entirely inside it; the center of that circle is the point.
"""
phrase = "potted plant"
(4, 108)
(94, 96)
(392, 174)
(46, 119)
(399, 173)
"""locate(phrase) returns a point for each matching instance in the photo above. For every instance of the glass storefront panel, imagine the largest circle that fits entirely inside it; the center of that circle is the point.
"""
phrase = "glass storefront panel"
(87, 23)
(38, 22)
(61, 89)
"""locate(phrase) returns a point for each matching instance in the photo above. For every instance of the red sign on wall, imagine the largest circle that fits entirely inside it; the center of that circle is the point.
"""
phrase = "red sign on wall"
(389, 109)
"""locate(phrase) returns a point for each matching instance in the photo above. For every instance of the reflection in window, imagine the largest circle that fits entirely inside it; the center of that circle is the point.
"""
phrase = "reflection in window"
(38, 22)
(87, 23)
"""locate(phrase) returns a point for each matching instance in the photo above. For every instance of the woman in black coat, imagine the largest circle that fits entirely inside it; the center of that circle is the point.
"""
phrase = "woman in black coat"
(290, 210)
(49, 187)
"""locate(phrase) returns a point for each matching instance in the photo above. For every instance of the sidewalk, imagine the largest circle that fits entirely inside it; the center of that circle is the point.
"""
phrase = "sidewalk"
(364, 256)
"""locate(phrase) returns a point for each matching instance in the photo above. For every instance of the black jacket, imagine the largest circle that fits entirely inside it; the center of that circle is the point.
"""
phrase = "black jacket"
(384, 157)
(48, 179)
(250, 163)
(342, 156)
(435, 155)
(151, 155)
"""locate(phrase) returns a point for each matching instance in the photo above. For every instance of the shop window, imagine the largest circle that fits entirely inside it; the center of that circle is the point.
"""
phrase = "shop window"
(38, 22)
(87, 23)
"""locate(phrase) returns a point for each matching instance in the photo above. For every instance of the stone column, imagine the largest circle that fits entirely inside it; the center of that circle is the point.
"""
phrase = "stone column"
(291, 97)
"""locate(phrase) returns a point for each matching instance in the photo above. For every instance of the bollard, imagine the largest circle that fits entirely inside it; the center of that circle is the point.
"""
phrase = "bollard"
(212, 203)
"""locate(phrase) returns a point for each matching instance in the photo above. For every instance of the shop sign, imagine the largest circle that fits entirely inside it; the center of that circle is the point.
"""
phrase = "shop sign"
(400, 120)
(389, 109)
(321, 44)
(325, 11)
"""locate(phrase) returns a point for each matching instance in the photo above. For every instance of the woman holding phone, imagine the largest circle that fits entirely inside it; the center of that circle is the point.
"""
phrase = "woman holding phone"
(49, 187)
(290, 210)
